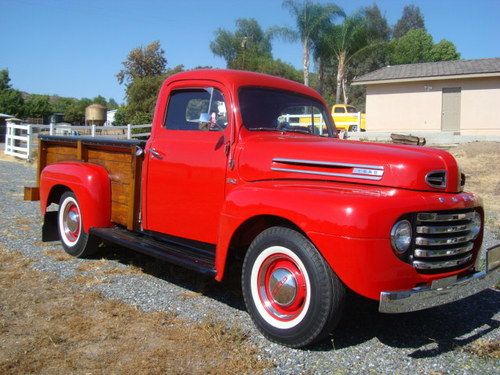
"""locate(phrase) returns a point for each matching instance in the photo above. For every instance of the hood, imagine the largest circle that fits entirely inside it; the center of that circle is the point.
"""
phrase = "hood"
(273, 156)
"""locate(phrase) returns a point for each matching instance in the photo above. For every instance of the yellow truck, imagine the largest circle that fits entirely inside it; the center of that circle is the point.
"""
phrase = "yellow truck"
(347, 118)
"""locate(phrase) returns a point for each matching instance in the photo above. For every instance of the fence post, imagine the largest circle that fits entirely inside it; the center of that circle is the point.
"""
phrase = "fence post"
(129, 131)
(28, 141)
(359, 122)
(51, 128)
(92, 131)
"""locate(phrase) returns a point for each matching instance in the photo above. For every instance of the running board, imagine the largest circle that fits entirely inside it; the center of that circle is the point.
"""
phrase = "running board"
(199, 260)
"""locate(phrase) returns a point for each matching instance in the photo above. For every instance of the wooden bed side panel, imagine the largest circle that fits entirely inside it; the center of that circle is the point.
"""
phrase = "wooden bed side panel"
(122, 164)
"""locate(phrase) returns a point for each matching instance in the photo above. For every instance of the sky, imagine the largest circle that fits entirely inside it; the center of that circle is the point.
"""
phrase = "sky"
(75, 48)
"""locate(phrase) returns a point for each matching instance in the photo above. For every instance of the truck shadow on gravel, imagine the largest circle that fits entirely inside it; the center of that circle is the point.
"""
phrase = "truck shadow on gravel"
(429, 332)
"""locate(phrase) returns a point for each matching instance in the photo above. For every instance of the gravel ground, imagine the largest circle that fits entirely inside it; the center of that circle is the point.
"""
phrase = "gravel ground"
(430, 341)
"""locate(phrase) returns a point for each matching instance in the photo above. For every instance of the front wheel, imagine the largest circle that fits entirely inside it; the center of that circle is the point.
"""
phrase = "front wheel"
(75, 240)
(291, 293)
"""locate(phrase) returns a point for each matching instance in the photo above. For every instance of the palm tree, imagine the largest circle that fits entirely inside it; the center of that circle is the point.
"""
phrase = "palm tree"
(347, 41)
(310, 19)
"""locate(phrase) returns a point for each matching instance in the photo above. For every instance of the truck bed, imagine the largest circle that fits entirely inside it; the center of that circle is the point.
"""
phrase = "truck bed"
(121, 158)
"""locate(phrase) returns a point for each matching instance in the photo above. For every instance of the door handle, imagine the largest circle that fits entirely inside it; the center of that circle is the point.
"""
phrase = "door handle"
(155, 154)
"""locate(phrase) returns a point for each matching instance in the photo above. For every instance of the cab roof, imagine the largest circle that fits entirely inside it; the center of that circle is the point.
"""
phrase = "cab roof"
(238, 78)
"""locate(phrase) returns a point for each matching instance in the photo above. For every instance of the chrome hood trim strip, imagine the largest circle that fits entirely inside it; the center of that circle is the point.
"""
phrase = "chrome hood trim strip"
(329, 174)
(331, 164)
(359, 171)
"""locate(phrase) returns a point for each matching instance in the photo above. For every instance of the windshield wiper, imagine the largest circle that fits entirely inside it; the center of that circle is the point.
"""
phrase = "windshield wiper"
(295, 130)
(263, 129)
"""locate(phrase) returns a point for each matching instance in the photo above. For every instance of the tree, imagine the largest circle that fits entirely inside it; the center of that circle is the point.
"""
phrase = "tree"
(121, 116)
(143, 62)
(99, 99)
(248, 41)
(376, 24)
(411, 19)
(4, 80)
(11, 101)
(38, 106)
(347, 41)
(112, 104)
(141, 98)
(310, 18)
(413, 47)
(75, 112)
(249, 48)
(444, 51)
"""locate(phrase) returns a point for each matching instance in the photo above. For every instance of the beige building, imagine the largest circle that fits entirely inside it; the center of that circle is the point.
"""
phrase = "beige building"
(457, 96)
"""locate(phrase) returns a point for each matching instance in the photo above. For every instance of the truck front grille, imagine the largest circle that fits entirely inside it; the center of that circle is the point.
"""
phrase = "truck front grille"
(444, 241)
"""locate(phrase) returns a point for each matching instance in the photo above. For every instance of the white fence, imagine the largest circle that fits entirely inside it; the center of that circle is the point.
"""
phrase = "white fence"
(21, 139)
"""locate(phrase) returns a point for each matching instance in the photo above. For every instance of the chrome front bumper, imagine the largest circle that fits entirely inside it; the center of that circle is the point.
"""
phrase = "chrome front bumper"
(443, 290)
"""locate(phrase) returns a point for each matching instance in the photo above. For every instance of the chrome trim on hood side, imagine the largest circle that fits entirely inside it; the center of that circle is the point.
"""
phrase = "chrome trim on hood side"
(332, 164)
(359, 171)
(329, 174)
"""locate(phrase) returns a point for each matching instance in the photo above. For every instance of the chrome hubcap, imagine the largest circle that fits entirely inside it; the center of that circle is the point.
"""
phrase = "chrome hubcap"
(73, 221)
(282, 287)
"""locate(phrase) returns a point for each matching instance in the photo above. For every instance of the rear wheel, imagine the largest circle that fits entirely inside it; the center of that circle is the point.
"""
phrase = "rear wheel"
(75, 240)
(291, 293)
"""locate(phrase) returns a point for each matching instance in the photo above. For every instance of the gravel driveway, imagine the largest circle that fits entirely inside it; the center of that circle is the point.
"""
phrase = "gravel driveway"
(430, 341)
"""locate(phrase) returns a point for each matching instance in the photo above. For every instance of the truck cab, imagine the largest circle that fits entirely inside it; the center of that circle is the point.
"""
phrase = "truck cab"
(347, 118)
(228, 183)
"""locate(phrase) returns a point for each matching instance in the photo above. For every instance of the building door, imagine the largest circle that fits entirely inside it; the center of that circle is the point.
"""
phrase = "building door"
(450, 113)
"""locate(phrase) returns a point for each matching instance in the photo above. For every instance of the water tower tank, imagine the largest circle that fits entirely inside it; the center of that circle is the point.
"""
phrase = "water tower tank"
(95, 114)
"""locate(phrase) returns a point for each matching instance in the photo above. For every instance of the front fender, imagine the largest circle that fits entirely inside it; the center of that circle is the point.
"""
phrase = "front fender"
(336, 218)
(89, 182)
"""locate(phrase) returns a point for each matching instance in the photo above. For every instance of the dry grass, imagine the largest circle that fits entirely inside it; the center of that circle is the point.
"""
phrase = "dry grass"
(58, 255)
(103, 267)
(479, 161)
(484, 348)
(47, 326)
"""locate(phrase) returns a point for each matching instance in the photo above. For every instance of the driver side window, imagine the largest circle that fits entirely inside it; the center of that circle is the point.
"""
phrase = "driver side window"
(196, 109)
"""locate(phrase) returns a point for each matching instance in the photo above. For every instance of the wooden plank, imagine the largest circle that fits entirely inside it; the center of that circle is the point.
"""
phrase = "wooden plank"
(111, 155)
(31, 193)
(120, 192)
(55, 158)
(118, 171)
(119, 213)
(61, 149)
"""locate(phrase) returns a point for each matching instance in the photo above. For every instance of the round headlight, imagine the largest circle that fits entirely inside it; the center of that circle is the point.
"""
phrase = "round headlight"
(401, 236)
(476, 224)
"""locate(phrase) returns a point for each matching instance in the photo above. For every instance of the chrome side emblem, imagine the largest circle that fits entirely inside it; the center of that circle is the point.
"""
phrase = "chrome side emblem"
(368, 172)
(441, 199)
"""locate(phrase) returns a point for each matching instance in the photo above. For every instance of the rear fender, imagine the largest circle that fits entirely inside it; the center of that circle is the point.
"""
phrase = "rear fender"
(89, 182)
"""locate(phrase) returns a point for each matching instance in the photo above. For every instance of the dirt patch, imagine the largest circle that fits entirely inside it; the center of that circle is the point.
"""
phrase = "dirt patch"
(479, 161)
(484, 348)
(13, 159)
(47, 326)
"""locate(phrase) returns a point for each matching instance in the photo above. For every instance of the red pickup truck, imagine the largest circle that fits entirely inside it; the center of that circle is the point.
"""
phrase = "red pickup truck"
(226, 183)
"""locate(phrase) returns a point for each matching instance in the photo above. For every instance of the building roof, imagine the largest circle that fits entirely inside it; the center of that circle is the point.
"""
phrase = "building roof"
(432, 71)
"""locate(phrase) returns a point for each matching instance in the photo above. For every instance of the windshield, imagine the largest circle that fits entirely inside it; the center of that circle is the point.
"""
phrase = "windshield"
(278, 110)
